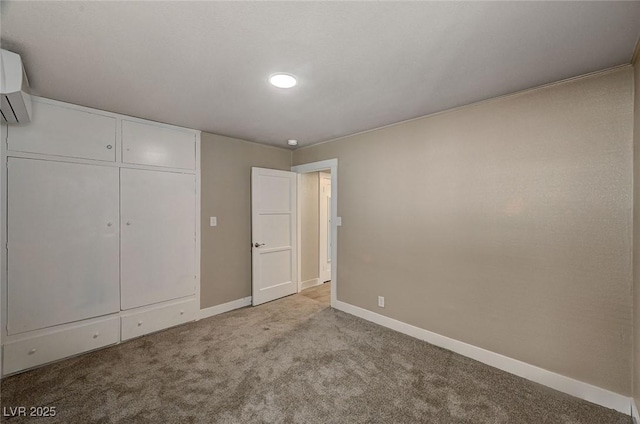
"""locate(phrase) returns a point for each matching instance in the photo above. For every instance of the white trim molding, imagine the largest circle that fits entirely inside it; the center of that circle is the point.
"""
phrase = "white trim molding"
(225, 307)
(310, 283)
(634, 410)
(539, 375)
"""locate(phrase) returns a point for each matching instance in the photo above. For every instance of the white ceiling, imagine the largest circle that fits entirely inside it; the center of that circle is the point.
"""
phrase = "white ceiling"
(360, 65)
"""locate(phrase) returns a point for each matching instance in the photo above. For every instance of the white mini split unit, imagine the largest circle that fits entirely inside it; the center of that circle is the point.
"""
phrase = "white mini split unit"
(14, 87)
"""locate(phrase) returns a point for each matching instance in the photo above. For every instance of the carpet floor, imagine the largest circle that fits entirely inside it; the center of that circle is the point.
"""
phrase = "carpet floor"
(294, 360)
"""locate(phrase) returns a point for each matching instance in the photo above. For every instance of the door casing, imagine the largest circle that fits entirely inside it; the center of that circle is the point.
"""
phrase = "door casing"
(324, 229)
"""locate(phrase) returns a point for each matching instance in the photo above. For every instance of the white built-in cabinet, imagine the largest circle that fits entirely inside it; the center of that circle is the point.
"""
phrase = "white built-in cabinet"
(158, 228)
(102, 232)
(63, 130)
(147, 144)
(64, 243)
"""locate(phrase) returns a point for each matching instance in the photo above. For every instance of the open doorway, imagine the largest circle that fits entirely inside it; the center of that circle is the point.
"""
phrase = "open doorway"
(317, 230)
(315, 234)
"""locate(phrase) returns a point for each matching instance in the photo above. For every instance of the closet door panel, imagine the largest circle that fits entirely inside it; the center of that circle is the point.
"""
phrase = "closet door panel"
(63, 243)
(158, 236)
(148, 144)
(63, 131)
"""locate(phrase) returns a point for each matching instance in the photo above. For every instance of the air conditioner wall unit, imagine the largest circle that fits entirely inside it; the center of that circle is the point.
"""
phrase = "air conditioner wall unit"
(14, 89)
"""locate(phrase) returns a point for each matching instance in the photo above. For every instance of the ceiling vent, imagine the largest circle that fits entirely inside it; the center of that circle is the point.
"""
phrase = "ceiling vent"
(14, 87)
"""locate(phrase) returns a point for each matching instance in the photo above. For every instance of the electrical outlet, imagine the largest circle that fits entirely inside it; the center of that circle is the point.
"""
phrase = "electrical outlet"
(381, 301)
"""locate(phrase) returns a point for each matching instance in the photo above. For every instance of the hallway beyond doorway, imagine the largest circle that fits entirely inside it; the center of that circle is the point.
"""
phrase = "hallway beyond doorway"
(320, 293)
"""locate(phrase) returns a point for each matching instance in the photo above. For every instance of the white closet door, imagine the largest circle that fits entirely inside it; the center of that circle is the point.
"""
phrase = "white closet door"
(63, 243)
(158, 236)
(148, 144)
(63, 131)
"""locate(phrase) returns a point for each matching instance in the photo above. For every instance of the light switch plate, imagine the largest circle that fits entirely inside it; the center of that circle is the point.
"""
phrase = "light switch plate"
(339, 221)
(213, 221)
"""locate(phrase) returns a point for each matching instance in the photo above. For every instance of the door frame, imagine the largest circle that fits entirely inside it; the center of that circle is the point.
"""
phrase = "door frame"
(323, 242)
(330, 165)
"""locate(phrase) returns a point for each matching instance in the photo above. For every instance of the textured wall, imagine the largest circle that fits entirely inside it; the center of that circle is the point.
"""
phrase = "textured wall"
(636, 229)
(226, 193)
(506, 225)
(309, 225)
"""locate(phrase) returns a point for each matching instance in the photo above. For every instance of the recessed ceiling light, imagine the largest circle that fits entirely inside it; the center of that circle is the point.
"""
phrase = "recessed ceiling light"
(292, 142)
(281, 80)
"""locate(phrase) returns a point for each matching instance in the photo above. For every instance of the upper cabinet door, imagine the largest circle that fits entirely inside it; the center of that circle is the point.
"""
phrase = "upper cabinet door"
(62, 131)
(158, 236)
(63, 243)
(148, 144)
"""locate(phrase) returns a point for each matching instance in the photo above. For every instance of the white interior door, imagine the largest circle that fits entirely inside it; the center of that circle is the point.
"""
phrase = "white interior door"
(325, 226)
(158, 236)
(63, 243)
(273, 231)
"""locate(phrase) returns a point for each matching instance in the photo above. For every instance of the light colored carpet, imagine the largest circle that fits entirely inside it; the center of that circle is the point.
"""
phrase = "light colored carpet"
(294, 360)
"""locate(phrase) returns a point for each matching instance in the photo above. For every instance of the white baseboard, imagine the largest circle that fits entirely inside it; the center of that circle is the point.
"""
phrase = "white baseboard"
(309, 283)
(634, 412)
(556, 381)
(225, 307)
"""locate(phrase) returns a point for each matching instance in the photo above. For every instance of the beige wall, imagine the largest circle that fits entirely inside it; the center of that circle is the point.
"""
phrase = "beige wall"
(636, 227)
(226, 194)
(506, 225)
(309, 211)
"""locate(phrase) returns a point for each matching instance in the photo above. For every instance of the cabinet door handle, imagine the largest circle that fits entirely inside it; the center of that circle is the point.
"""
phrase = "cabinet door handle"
(139, 323)
(109, 224)
(95, 336)
(109, 146)
(32, 351)
(128, 222)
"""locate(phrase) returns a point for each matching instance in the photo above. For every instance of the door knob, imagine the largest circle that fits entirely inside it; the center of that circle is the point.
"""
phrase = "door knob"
(259, 244)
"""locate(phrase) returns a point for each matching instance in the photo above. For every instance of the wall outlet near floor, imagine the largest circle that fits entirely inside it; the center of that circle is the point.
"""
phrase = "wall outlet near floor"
(381, 301)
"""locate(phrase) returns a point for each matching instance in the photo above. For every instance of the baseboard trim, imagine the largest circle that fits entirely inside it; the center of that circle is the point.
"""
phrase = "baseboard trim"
(309, 283)
(225, 307)
(539, 375)
(634, 412)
